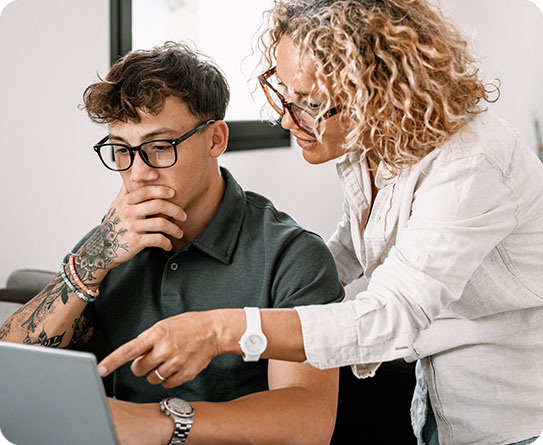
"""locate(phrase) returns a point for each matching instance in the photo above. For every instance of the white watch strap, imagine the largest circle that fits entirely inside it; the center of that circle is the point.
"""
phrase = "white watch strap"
(252, 315)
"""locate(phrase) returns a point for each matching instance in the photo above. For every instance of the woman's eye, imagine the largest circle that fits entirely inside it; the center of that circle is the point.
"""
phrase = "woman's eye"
(310, 105)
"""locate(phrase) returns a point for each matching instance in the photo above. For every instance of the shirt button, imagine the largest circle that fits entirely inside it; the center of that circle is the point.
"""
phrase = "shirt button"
(174, 266)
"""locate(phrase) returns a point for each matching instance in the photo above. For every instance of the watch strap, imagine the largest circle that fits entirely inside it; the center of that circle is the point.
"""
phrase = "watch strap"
(254, 323)
(180, 433)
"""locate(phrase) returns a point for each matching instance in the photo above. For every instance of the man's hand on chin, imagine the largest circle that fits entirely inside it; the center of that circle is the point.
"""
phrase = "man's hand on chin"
(140, 423)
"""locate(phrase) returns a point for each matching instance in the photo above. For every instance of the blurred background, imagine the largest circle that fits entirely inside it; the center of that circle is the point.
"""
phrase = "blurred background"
(53, 188)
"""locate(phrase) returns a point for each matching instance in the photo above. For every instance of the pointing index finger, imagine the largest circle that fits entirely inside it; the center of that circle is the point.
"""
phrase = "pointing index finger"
(123, 354)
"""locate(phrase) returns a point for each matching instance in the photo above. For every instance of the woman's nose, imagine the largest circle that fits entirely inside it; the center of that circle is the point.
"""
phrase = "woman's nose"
(287, 122)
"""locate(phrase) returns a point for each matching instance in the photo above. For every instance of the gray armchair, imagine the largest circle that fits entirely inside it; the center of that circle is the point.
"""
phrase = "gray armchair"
(21, 286)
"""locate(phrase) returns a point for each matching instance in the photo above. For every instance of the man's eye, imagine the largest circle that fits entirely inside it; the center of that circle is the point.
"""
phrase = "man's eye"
(120, 151)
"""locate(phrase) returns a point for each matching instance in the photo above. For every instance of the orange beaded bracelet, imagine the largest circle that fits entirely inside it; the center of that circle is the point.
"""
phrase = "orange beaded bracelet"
(78, 281)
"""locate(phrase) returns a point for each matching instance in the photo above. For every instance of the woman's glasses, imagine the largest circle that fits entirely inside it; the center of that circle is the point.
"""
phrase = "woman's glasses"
(304, 118)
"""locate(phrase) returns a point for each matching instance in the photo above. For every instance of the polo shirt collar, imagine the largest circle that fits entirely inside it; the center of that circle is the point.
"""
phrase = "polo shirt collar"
(219, 237)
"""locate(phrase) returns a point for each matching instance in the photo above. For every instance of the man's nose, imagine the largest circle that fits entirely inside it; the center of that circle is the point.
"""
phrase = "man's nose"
(141, 172)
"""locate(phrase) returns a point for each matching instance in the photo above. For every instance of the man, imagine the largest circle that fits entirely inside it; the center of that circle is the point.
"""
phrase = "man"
(183, 236)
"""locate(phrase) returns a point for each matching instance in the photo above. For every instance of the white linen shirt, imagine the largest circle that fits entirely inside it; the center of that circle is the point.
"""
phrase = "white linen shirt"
(453, 254)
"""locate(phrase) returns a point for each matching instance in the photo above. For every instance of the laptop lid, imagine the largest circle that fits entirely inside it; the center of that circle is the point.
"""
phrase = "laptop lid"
(52, 397)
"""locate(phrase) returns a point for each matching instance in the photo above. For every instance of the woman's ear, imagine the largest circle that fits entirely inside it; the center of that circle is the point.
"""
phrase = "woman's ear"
(218, 138)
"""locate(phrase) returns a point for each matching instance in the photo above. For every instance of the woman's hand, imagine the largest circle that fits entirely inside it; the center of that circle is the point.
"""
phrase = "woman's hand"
(178, 347)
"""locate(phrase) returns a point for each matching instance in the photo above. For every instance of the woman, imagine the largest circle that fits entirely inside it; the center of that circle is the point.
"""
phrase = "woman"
(443, 216)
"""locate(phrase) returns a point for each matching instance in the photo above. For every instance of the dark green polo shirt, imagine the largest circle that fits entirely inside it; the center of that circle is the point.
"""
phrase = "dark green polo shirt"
(250, 254)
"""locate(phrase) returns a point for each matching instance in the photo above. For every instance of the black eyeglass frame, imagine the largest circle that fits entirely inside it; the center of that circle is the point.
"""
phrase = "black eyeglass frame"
(131, 150)
(290, 106)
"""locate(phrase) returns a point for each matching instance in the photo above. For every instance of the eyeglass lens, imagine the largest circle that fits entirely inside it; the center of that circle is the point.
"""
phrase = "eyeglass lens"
(301, 117)
(155, 153)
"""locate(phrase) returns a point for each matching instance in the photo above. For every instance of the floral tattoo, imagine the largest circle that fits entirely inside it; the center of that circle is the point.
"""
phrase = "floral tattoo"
(101, 248)
(44, 301)
(44, 340)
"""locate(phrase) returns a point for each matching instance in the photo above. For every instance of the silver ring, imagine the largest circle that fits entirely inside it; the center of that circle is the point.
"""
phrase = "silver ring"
(159, 376)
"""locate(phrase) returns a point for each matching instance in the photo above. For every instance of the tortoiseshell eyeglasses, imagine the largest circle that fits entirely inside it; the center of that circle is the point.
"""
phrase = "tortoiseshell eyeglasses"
(304, 118)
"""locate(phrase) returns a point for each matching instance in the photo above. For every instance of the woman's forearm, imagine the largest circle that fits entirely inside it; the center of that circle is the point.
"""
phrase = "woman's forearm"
(281, 327)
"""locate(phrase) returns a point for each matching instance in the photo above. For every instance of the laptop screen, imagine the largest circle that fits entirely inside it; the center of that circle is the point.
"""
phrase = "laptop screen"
(52, 396)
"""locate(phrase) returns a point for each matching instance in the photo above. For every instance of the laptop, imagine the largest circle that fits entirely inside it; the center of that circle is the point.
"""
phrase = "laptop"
(52, 397)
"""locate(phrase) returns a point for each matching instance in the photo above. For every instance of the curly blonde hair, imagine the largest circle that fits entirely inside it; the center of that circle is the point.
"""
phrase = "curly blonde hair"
(400, 69)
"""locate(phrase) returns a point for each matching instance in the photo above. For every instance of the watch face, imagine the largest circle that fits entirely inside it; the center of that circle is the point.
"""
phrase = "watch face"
(254, 343)
(179, 407)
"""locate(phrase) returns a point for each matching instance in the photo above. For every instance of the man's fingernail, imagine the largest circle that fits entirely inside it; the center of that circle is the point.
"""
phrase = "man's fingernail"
(102, 370)
(171, 193)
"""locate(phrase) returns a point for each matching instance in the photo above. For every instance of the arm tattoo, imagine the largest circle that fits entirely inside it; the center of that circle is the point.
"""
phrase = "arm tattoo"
(101, 248)
(4, 330)
(44, 340)
(50, 294)
(83, 330)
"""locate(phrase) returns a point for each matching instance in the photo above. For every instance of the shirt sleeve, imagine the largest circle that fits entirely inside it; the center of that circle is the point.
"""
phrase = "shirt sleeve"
(460, 211)
(341, 246)
(305, 274)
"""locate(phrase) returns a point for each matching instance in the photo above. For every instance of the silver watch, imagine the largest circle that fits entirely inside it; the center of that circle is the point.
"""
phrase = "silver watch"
(182, 414)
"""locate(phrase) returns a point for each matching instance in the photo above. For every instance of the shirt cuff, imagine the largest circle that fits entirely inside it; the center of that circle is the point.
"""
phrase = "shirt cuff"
(329, 335)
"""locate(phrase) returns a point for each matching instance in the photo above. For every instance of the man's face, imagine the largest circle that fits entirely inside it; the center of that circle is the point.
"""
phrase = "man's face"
(195, 167)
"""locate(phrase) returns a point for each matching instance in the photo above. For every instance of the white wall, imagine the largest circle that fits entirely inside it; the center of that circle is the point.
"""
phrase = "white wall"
(53, 189)
(509, 38)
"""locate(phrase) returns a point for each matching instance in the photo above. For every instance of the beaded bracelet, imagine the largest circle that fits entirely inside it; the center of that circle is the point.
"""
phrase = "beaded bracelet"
(78, 280)
(72, 287)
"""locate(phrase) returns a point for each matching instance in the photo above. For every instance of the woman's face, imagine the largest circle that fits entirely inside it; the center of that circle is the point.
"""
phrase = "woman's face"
(300, 84)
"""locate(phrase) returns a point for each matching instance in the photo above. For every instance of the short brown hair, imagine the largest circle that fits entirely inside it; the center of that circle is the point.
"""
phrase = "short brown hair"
(143, 79)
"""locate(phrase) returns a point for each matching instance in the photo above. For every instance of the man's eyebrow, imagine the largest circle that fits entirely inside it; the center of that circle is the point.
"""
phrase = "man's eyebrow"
(161, 132)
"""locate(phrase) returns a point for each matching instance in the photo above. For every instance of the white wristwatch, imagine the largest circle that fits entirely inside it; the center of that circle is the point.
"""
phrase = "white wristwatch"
(253, 342)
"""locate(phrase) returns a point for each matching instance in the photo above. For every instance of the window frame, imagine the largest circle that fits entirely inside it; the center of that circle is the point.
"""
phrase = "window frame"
(244, 134)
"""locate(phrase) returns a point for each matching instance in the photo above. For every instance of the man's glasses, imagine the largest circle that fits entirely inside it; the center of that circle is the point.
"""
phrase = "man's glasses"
(159, 153)
(302, 117)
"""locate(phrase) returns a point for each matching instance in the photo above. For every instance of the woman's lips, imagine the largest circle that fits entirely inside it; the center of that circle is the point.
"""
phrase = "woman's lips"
(305, 144)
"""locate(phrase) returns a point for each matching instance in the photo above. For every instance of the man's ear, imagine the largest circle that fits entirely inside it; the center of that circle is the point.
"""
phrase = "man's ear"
(218, 138)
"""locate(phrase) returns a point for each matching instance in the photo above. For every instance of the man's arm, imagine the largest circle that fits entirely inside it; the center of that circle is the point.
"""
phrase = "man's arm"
(55, 317)
(300, 407)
